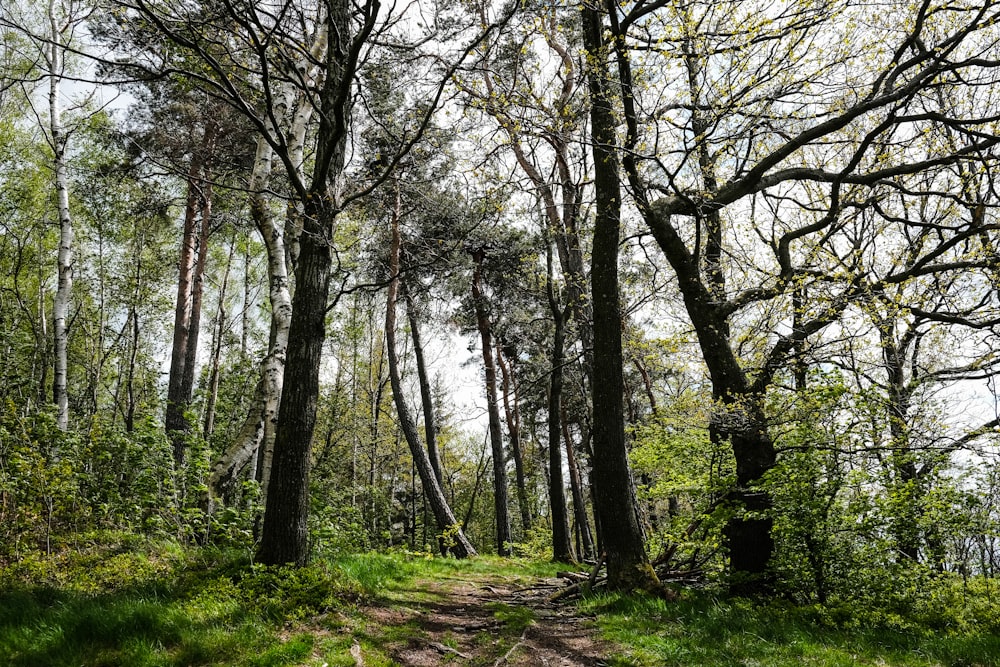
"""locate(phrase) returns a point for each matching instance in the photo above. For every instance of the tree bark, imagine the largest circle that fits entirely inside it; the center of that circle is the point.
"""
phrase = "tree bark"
(501, 503)
(64, 289)
(284, 535)
(562, 548)
(426, 396)
(627, 562)
(447, 524)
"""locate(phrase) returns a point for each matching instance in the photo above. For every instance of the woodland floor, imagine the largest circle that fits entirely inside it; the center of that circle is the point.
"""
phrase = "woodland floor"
(482, 620)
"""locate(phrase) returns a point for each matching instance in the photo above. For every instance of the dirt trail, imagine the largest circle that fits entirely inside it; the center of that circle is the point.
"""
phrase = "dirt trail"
(484, 623)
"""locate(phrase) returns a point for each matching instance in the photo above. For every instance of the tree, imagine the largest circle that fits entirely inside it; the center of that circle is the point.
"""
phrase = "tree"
(527, 83)
(62, 25)
(622, 539)
(446, 522)
(501, 505)
(756, 156)
(243, 53)
(562, 549)
(61, 21)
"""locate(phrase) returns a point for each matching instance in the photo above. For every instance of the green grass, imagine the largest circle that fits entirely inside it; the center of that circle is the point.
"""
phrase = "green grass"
(515, 619)
(122, 600)
(377, 574)
(138, 603)
(703, 630)
(157, 604)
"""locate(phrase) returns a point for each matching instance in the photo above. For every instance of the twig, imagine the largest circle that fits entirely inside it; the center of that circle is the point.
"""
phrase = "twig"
(444, 650)
(356, 654)
(506, 655)
(597, 568)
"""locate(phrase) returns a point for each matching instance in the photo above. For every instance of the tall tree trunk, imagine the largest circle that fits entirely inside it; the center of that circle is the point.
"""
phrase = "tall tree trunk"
(585, 537)
(175, 422)
(284, 535)
(443, 515)
(284, 532)
(627, 562)
(512, 417)
(500, 500)
(42, 360)
(904, 475)
(198, 274)
(562, 549)
(64, 289)
(426, 396)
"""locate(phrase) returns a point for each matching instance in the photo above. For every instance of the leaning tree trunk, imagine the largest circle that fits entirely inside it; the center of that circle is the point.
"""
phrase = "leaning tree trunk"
(500, 499)
(622, 541)
(445, 519)
(255, 439)
(426, 398)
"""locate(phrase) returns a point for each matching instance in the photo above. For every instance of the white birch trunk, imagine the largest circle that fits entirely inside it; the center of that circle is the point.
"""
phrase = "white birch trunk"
(61, 302)
(255, 441)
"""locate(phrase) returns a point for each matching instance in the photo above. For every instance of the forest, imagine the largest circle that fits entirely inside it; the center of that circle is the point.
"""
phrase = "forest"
(685, 292)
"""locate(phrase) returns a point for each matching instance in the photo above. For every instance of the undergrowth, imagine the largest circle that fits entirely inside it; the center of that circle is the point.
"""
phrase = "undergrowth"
(708, 630)
(125, 600)
(133, 602)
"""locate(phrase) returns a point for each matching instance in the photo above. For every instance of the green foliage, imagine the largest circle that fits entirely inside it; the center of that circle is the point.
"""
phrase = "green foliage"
(700, 629)
(57, 485)
(687, 477)
(125, 601)
(536, 544)
(335, 526)
(286, 592)
(515, 619)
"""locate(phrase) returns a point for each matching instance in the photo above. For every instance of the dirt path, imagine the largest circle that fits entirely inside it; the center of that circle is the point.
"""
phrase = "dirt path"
(483, 623)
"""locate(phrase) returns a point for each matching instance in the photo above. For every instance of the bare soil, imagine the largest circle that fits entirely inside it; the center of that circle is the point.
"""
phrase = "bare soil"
(482, 623)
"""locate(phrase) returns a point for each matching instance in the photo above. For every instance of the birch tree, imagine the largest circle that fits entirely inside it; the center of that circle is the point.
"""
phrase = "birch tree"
(244, 53)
